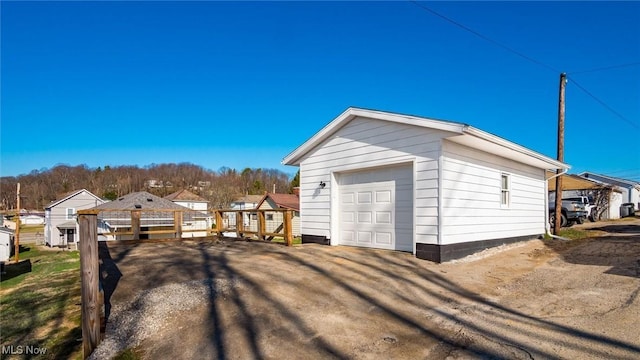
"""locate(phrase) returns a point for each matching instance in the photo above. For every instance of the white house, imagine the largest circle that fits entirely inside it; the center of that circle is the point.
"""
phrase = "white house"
(31, 218)
(438, 189)
(200, 220)
(243, 203)
(189, 200)
(630, 189)
(61, 226)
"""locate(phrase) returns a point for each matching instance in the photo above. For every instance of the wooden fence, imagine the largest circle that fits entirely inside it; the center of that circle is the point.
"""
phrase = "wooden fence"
(136, 225)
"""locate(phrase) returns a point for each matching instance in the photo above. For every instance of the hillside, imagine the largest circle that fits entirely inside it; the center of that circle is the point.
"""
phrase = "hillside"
(39, 188)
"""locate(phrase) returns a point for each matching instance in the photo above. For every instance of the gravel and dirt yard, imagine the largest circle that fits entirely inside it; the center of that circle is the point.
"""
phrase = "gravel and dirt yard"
(232, 299)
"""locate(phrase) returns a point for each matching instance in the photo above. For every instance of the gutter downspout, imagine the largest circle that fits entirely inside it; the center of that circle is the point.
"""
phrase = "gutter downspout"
(547, 225)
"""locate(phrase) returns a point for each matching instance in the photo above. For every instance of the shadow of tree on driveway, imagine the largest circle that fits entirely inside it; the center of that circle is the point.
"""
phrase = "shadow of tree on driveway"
(266, 301)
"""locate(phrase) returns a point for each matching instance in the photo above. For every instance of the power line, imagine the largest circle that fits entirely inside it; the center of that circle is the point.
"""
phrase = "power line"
(604, 104)
(605, 68)
(625, 171)
(486, 38)
(624, 175)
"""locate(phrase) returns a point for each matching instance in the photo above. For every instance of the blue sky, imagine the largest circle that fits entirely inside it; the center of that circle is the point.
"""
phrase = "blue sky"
(242, 84)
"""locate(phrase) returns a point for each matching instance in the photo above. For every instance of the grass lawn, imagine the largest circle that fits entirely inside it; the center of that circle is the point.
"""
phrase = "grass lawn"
(574, 234)
(296, 240)
(41, 308)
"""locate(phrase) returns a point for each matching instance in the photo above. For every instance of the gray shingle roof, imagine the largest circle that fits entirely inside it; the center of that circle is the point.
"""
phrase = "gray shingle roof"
(249, 199)
(149, 205)
(140, 201)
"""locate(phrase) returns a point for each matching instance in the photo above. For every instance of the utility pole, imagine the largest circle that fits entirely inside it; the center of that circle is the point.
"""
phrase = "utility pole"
(558, 209)
(17, 236)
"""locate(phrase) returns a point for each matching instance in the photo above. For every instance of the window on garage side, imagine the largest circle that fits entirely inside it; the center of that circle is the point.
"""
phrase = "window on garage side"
(505, 190)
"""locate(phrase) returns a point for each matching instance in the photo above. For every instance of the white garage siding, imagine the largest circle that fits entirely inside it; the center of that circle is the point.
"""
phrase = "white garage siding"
(367, 143)
(471, 196)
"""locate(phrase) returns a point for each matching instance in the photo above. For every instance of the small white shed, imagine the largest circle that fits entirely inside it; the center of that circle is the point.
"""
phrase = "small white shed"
(7, 237)
(438, 189)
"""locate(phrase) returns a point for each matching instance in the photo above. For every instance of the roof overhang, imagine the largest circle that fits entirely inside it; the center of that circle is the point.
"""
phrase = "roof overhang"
(351, 113)
(575, 182)
(69, 196)
(67, 225)
(459, 133)
(484, 141)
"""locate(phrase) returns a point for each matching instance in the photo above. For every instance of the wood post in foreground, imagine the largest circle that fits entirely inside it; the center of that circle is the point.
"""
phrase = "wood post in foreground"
(89, 272)
(177, 223)
(219, 224)
(261, 225)
(239, 224)
(135, 223)
(288, 227)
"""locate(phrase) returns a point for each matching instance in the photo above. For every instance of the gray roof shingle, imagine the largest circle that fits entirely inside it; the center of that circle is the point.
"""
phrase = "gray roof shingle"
(118, 212)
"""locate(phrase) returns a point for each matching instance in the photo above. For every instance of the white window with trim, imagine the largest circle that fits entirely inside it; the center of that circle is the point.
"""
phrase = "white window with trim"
(71, 213)
(505, 191)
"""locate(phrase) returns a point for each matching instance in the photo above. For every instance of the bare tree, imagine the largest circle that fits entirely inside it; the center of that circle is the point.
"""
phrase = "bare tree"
(221, 187)
(600, 197)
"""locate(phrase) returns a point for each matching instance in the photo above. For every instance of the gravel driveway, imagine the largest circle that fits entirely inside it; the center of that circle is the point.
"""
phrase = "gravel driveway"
(241, 300)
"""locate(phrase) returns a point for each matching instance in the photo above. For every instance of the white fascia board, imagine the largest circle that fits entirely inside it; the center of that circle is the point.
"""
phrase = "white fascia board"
(293, 157)
(57, 202)
(537, 158)
(351, 113)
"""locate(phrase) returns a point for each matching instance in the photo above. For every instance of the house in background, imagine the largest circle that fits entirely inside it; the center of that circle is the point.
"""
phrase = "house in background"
(61, 226)
(438, 189)
(607, 198)
(189, 200)
(274, 220)
(31, 218)
(630, 189)
(156, 214)
(242, 203)
(200, 217)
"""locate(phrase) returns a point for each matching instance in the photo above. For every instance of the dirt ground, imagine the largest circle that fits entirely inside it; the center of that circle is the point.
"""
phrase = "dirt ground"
(246, 300)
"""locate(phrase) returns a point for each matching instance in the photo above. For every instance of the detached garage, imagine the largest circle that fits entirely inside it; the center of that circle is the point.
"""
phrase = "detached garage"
(438, 189)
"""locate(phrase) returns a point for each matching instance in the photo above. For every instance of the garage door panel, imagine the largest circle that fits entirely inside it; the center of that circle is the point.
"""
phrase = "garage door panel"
(364, 197)
(364, 217)
(376, 208)
(383, 197)
(383, 217)
(347, 236)
(364, 237)
(384, 239)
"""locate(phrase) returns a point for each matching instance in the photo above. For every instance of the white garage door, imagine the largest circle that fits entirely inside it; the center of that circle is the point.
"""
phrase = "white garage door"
(376, 208)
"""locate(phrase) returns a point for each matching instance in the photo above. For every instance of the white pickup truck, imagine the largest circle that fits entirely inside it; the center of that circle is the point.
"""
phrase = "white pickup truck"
(572, 212)
(588, 206)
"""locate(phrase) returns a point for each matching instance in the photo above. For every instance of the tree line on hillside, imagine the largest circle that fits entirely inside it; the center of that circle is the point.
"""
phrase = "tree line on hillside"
(220, 188)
